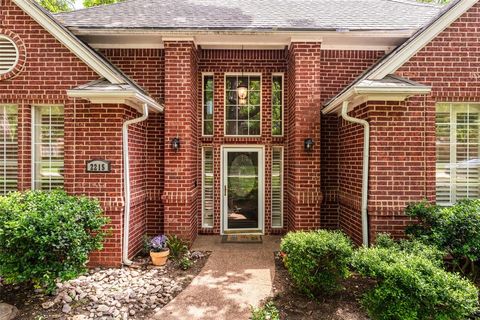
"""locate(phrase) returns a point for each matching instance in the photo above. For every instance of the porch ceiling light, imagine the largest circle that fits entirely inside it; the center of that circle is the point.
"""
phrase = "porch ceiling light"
(308, 144)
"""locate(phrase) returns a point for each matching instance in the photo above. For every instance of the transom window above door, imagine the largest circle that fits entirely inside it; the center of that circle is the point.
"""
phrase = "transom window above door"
(243, 116)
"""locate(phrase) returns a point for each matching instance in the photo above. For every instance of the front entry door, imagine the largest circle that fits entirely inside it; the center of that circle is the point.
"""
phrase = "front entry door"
(242, 192)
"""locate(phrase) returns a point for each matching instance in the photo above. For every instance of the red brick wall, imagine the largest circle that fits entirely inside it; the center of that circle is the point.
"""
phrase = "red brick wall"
(147, 68)
(402, 168)
(304, 88)
(91, 131)
(219, 62)
(338, 69)
(181, 188)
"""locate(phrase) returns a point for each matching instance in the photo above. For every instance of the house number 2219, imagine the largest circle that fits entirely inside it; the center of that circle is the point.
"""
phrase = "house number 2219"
(98, 166)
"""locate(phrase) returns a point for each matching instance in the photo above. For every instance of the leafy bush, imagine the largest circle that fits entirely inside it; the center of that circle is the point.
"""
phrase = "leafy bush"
(317, 260)
(455, 230)
(185, 263)
(47, 235)
(412, 284)
(268, 312)
(178, 247)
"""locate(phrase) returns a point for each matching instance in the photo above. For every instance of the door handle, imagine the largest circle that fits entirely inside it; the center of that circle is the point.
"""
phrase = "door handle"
(225, 190)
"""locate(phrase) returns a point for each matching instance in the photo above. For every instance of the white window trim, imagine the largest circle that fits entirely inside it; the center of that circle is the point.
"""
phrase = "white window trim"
(239, 74)
(282, 166)
(279, 74)
(17, 54)
(206, 74)
(32, 146)
(453, 149)
(206, 226)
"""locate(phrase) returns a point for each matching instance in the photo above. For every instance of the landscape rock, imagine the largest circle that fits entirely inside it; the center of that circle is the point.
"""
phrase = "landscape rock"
(7, 311)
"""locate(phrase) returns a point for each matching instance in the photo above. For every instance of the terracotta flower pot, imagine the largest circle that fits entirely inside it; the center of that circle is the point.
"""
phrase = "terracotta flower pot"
(159, 258)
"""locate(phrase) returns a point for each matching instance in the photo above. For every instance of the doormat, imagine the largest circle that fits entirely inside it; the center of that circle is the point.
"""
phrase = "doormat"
(241, 238)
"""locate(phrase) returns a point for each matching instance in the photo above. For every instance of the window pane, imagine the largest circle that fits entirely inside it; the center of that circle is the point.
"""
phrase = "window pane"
(207, 188)
(458, 157)
(8, 149)
(208, 105)
(49, 147)
(277, 105)
(241, 116)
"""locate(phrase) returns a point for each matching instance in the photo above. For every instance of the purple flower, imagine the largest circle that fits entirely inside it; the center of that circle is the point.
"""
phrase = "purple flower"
(158, 243)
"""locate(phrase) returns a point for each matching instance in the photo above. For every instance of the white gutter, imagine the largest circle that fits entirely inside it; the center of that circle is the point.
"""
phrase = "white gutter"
(366, 160)
(126, 187)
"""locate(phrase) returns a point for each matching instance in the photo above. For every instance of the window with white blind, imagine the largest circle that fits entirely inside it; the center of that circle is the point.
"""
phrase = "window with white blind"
(207, 187)
(207, 113)
(9, 149)
(277, 105)
(277, 187)
(458, 152)
(48, 140)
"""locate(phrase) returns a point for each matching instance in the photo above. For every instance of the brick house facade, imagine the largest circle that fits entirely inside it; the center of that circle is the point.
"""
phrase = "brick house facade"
(223, 183)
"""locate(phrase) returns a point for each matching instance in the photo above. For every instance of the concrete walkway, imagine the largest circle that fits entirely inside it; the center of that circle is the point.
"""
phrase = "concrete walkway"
(235, 277)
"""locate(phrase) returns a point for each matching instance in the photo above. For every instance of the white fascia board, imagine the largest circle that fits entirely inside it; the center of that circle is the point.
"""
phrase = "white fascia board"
(392, 90)
(70, 41)
(392, 64)
(131, 98)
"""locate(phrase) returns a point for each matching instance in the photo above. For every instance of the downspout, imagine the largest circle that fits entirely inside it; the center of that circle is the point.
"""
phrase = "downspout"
(366, 152)
(126, 187)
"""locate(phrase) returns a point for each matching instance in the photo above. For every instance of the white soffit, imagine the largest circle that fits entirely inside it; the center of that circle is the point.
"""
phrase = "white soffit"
(360, 40)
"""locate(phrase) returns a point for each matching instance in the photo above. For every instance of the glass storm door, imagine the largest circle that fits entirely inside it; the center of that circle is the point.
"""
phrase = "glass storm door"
(242, 192)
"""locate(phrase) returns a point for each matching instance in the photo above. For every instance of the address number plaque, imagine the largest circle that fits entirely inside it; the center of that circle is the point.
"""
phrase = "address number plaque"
(98, 166)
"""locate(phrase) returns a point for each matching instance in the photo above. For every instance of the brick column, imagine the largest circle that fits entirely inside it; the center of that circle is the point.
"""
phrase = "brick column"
(303, 112)
(180, 192)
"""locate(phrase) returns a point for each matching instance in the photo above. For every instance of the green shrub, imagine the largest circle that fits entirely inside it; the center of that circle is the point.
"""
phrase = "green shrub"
(45, 236)
(455, 230)
(185, 263)
(178, 247)
(268, 312)
(317, 260)
(413, 285)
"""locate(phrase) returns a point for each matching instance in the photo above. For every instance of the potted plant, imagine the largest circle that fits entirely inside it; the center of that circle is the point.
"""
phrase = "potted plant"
(158, 250)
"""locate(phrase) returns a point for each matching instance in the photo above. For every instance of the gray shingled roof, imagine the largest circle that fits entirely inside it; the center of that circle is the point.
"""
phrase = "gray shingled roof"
(255, 15)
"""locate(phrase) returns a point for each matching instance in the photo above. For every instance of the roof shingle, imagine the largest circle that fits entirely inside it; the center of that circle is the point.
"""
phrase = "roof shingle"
(260, 15)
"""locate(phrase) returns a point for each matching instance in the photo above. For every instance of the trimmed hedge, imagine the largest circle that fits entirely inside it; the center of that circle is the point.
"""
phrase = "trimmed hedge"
(45, 236)
(317, 260)
(412, 284)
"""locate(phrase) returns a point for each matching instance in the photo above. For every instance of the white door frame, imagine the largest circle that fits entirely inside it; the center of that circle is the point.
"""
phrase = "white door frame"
(261, 187)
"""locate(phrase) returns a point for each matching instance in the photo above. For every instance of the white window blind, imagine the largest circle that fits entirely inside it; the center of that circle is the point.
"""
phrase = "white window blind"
(48, 137)
(277, 105)
(207, 188)
(9, 149)
(277, 187)
(458, 156)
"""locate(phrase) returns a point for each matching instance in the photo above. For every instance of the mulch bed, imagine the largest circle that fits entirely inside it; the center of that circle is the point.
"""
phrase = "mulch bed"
(29, 301)
(343, 305)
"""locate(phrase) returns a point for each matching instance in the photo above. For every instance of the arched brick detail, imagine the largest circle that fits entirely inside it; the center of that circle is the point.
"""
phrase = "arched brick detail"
(22, 54)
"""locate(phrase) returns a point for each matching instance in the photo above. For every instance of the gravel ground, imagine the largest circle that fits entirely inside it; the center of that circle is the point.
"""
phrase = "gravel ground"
(124, 293)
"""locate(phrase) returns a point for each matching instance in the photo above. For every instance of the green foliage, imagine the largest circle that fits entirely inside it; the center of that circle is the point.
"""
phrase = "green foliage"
(412, 284)
(47, 235)
(93, 3)
(57, 5)
(268, 312)
(178, 247)
(455, 230)
(185, 263)
(317, 260)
